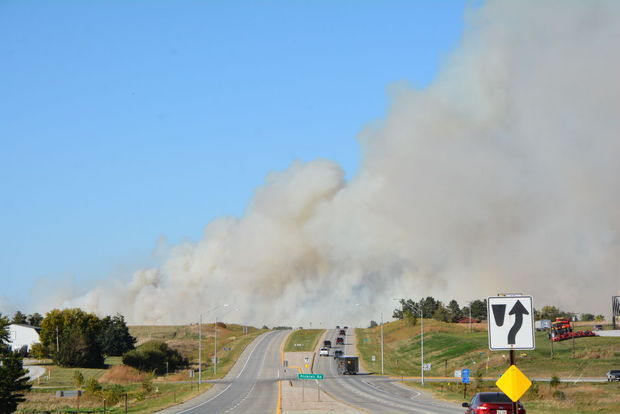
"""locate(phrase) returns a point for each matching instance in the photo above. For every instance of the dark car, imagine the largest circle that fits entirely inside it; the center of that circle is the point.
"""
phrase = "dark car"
(342, 332)
(340, 340)
(613, 375)
(338, 353)
(491, 403)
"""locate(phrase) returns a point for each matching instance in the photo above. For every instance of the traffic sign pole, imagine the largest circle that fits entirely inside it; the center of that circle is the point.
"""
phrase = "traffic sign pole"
(515, 404)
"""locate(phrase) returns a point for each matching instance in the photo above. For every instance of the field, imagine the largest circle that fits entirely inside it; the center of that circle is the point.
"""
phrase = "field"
(450, 347)
(303, 340)
(145, 393)
(576, 398)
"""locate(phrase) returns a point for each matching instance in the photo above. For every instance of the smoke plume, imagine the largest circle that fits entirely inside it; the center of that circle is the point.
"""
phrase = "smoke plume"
(501, 176)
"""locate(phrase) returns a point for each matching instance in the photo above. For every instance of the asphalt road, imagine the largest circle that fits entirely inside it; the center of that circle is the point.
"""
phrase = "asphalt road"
(375, 394)
(250, 387)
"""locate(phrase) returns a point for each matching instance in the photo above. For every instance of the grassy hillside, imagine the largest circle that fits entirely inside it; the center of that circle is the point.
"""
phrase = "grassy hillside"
(449, 347)
(162, 391)
(231, 341)
(307, 340)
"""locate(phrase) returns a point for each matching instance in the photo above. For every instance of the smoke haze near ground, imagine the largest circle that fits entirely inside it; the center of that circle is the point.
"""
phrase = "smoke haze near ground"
(502, 176)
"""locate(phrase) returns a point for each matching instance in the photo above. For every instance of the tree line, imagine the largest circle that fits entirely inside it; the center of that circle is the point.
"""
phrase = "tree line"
(430, 307)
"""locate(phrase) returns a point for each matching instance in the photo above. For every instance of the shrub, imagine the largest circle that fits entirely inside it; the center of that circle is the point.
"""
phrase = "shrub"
(555, 381)
(152, 356)
(558, 395)
(39, 351)
(78, 379)
(92, 386)
(147, 385)
(113, 394)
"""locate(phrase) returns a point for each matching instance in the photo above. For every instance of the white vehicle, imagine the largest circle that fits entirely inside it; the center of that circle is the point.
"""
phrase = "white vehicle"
(324, 352)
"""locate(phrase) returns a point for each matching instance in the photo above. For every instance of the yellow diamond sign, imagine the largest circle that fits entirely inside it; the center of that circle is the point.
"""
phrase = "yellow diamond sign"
(513, 383)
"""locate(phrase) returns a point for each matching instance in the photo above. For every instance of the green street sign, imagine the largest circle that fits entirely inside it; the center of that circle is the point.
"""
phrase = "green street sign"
(310, 376)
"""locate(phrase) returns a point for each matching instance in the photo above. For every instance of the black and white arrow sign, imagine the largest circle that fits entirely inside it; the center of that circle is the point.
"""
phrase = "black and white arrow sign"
(511, 322)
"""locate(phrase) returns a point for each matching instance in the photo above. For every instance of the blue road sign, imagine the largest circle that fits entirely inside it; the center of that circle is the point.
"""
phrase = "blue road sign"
(465, 376)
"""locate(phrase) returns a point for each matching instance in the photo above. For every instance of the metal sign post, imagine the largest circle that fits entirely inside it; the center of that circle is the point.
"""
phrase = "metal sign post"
(511, 327)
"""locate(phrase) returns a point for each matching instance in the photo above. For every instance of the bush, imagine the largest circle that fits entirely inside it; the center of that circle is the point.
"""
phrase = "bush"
(558, 395)
(78, 379)
(152, 356)
(39, 351)
(113, 394)
(555, 381)
(93, 386)
(147, 385)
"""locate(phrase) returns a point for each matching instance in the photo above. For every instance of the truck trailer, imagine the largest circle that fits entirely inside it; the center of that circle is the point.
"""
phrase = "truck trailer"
(347, 365)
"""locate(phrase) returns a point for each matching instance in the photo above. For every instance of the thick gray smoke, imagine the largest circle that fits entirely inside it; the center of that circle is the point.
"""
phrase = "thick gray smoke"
(502, 176)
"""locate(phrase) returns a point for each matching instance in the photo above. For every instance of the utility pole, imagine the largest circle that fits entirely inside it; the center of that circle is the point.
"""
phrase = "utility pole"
(381, 343)
(470, 318)
(200, 351)
(215, 349)
(422, 342)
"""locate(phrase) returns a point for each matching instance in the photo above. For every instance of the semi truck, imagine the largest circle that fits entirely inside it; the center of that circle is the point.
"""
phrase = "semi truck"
(347, 365)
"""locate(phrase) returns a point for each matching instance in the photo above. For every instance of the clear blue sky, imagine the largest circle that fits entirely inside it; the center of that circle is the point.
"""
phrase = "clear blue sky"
(121, 121)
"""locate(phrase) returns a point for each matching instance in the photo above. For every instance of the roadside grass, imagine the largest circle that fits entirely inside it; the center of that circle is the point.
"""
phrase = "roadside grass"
(303, 340)
(139, 400)
(450, 347)
(231, 341)
(541, 398)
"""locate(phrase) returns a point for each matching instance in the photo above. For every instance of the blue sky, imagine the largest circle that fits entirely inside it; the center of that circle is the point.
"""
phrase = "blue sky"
(122, 121)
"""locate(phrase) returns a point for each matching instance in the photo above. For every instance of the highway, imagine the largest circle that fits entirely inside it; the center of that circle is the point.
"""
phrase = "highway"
(373, 393)
(250, 387)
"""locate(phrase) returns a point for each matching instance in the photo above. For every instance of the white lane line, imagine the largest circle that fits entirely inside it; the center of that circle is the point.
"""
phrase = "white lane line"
(229, 385)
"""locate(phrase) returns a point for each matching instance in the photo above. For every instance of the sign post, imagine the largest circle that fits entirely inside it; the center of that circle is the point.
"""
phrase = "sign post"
(511, 327)
(465, 380)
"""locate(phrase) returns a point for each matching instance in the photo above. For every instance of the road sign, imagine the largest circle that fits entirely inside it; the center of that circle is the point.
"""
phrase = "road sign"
(465, 376)
(306, 359)
(457, 373)
(426, 367)
(513, 383)
(511, 322)
(372, 358)
(310, 376)
(69, 393)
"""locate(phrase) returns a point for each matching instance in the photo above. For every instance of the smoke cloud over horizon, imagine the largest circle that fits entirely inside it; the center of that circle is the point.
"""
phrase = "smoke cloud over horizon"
(501, 176)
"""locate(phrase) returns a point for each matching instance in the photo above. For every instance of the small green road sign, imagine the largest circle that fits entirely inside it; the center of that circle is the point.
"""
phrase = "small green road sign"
(310, 376)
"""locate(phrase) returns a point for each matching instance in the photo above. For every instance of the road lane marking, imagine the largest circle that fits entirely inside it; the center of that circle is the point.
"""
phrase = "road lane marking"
(229, 385)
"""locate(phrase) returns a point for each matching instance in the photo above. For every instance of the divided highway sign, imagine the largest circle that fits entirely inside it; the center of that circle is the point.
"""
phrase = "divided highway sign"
(511, 322)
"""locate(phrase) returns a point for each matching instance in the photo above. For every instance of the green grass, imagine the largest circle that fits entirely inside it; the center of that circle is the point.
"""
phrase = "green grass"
(449, 347)
(163, 395)
(307, 340)
(231, 342)
(579, 398)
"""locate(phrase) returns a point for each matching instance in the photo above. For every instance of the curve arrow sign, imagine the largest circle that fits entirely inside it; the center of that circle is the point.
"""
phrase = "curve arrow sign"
(518, 310)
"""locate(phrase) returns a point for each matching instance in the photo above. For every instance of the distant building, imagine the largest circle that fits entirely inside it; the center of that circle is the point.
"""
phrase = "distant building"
(466, 319)
(22, 337)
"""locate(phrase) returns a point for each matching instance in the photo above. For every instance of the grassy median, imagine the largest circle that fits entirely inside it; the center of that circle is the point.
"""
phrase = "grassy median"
(303, 340)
